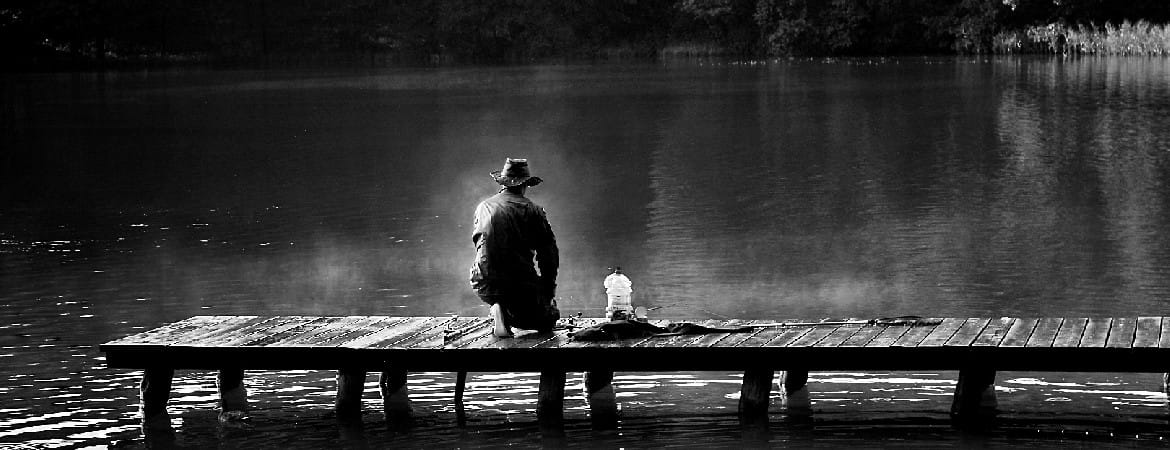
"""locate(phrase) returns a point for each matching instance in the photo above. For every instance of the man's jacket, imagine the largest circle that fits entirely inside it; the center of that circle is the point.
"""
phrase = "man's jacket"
(508, 231)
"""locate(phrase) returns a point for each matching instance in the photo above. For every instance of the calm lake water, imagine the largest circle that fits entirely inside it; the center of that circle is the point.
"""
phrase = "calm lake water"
(777, 189)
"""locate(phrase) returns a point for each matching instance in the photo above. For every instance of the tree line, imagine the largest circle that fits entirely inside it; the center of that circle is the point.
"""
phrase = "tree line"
(62, 33)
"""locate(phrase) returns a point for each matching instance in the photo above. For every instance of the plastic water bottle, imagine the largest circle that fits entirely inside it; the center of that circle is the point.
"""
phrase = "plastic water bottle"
(618, 289)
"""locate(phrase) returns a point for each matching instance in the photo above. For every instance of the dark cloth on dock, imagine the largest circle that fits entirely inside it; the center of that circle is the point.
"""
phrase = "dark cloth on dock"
(629, 329)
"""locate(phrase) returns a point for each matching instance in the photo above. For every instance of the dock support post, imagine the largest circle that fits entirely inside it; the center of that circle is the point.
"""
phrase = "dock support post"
(600, 395)
(350, 384)
(756, 392)
(974, 394)
(550, 402)
(155, 390)
(233, 397)
(1166, 383)
(794, 387)
(395, 396)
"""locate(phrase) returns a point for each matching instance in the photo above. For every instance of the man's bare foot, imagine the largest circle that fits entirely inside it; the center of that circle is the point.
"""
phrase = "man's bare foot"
(499, 329)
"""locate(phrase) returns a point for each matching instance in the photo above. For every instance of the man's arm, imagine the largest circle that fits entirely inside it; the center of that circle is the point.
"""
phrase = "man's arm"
(547, 256)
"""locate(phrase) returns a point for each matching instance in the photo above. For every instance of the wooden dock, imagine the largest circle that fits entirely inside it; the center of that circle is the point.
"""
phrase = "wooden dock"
(394, 346)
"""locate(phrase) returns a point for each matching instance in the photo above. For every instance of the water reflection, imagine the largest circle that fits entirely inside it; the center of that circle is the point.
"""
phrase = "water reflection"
(790, 189)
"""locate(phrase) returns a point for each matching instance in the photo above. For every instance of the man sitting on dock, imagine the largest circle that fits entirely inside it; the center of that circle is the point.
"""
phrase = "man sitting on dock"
(509, 229)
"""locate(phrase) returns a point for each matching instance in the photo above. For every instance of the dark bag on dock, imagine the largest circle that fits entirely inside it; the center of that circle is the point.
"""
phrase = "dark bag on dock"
(629, 329)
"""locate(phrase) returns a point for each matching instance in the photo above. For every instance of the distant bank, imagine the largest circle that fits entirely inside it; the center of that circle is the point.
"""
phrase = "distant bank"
(59, 34)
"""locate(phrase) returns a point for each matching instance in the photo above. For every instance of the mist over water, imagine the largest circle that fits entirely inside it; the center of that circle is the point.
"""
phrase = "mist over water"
(785, 189)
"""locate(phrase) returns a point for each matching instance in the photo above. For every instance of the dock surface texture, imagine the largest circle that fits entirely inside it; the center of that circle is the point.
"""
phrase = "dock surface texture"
(394, 346)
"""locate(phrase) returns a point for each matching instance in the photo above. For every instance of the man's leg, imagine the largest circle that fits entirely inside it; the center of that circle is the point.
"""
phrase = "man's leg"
(499, 325)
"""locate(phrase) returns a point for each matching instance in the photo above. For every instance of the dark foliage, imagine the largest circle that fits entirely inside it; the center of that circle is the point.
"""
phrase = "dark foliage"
(70, 33)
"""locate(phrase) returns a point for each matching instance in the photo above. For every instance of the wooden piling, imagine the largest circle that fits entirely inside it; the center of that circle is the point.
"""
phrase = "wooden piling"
(550, 402)
(155, 390)
(233, 396)
(350, 384)
(755, 392)
(974, 394)
(794, 389)
(600, 396)
(395, 395)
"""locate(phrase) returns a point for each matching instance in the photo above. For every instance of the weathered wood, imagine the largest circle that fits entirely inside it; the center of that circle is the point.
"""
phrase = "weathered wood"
(915, 335)
(1164, 339)
(967, 333)
(1096, 332)
(1044, 335)
(155, 390)
(865, 335)
(258, 326)
(994, 333)
(943, 332)
(324, 336)
(710, 339)
(738, 338)
(269, 338)
(838, 336)
(755, 392)
(225, 325)
(227, 333)
(232, 394)
(774, 336)
(429, 330)
(1019, 332)
(390, 333)
(889, 336)
(350, 384)
(283, 324)
(307, 333)
(600, 396)
(1122, 333)
(794, 390)
(161, 335)
(1070, 333)
(816, 334)
(974, 393)
(1149, 330)
(365, 328)
(550, 402)
(396, 403)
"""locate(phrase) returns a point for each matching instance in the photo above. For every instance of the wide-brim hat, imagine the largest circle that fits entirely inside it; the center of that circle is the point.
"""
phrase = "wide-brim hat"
(515, 173)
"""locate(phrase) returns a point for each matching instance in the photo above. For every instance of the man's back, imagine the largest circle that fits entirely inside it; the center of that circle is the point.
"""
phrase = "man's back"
(509, 229)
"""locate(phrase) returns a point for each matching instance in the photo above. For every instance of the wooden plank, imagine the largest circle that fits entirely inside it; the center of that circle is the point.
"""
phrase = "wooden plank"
(391, 332)
(915, 335)
(738, 338)
(674, 341)
(770, 334)
(994, 332)
(470, 334)
(307, 332)
(816, 334)
(1148, 331)
(967, 333)
(864, 335)
(326, 333)
(1020, 331)
(838, 336)
(276, 336)
(376, 324)
(224, 326)
(788, 336)
(227, 328)
(1045, 332)
(942, 332)
(889, 336)
(1122, 333)
(561, 339)
(1164, 340)
(712, 338)
(1070, 333)
(424, 336)
(284, 324)
(437, 337)
(1096, 332)
(262, 323)
(162, 332)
